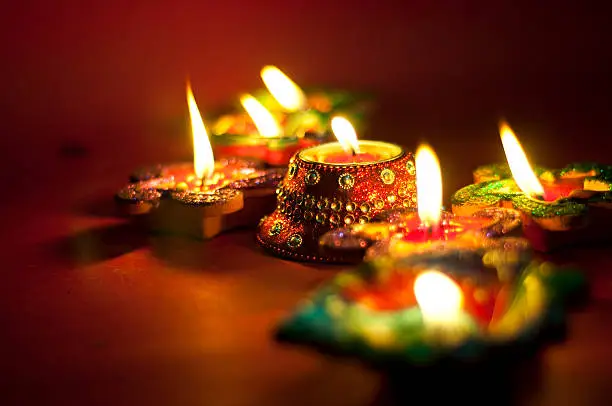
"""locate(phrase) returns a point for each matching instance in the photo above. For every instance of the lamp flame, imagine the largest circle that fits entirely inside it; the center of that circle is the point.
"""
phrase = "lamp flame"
(428, 186)
(203, 158)
(284, 90)
(439, 297)
(266, 124)
(346, 135)
(521, 170)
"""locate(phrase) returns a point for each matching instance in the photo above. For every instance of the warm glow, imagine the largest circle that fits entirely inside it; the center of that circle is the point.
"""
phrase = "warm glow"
(346, 135)
(203, 158)
(285, 91)
(266, 124)
(439, 297)
(521, 170)
(428, 186)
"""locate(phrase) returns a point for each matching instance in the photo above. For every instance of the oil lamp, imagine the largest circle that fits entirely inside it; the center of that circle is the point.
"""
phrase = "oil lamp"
(334, 185)
(399, 231)
(559, 207)
(302, 120)
(435, 305)
(205, 197)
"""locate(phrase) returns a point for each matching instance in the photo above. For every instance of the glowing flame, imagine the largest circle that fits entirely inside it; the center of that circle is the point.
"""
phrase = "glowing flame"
(521, 170)
(439, 297)
(428, 185)
(285, 91)
(203, 158)
(346, 135)
(266, 124)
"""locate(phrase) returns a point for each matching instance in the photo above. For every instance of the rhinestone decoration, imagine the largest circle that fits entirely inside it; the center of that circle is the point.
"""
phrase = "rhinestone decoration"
(346, 181)
(350, 207)
(276, 228)
(295, 241)
(387, 176)
(349, 219)
(410, 168)
(293, 170)
(312, 177)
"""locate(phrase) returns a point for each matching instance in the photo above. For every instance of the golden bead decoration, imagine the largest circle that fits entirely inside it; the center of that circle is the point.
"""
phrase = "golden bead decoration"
(379, 204)
(276, 228)
(312, 177)
(349, 219)
(294, 241)
(346, 181)
(293, 170)
(363, 220)
(402, 192)
(365, 207)
(387, 176)
(410, 167)
(350, 207)
(310, 202)
(335, 206)
(321, 217)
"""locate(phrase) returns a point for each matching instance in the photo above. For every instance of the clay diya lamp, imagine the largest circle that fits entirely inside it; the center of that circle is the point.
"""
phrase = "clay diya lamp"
(273, 125)
(425, 225)
(558, 208)
(203, 198)
(459, 300)
(334, 185)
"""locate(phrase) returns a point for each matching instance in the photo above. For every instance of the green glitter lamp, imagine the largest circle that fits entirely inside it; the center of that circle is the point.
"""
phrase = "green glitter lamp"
(452, 302)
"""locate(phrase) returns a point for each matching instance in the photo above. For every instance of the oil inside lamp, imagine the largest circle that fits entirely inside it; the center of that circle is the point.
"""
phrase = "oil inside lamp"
(286, 92)
(348, 149)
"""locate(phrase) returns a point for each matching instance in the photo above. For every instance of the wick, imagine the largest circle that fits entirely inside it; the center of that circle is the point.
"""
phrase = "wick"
(354, 153)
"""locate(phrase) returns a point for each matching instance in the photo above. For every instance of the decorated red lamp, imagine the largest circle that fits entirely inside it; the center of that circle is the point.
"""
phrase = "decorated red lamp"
(334, 185)
(559, 208)
(204, 198)
(400, 231)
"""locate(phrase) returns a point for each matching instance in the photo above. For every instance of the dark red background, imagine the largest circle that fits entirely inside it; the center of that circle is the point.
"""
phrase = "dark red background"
(92, 312)
(443, 72)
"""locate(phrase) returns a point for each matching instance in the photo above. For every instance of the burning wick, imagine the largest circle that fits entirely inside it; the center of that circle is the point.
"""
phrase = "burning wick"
(429, 188)
(346, 135)
(519, 165)
(203, 158)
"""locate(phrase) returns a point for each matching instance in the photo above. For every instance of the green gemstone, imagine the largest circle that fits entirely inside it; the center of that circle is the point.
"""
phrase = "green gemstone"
(346, 181)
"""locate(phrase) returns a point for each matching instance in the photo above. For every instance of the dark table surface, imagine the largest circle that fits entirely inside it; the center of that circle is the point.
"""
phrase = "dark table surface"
(95, 312)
